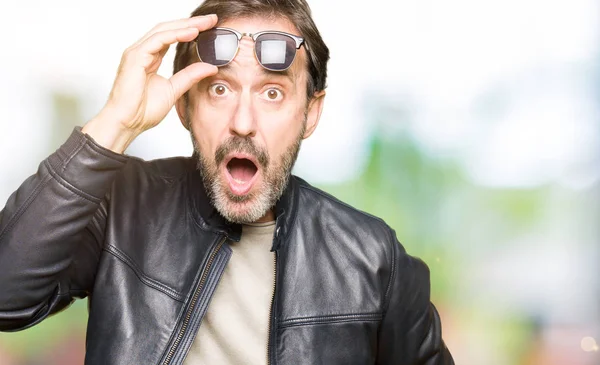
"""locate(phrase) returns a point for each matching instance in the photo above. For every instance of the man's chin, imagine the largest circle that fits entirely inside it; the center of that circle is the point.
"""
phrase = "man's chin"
(236, 208)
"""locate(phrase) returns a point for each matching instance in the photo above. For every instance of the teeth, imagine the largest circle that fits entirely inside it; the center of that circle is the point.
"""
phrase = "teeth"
(239, 181)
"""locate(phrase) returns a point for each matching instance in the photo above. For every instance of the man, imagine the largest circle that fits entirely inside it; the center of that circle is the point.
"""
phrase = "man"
(221, 258)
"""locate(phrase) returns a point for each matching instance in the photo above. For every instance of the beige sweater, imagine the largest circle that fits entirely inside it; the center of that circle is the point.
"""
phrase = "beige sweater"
(234, 330)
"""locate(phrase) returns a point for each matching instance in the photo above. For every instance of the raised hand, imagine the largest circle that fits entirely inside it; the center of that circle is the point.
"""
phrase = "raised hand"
(140, 98)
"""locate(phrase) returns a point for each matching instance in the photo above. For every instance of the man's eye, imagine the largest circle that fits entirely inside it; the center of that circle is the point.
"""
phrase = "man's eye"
(273, 94)
(218, 89)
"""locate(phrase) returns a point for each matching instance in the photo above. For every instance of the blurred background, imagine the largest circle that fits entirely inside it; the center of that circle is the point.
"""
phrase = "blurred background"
(470, 126)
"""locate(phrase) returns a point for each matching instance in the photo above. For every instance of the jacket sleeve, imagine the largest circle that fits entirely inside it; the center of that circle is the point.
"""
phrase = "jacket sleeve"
(410, 332)
(51, 232)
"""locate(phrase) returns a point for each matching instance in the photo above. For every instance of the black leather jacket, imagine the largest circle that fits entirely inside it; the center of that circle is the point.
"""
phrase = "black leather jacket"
(142, 242)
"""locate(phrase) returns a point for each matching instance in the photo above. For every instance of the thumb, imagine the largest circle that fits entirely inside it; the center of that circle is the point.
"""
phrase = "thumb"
(183, 80)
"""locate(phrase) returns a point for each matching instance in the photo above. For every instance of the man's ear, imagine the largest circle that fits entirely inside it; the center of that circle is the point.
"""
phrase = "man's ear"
(313, 113)
(181, 106)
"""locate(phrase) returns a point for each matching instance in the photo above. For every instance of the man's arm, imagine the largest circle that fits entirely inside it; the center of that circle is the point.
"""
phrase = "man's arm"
(51, 229)
(411, 332)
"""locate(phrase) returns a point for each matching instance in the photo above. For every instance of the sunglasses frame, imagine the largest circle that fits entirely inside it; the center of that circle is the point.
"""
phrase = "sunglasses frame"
(299, 42)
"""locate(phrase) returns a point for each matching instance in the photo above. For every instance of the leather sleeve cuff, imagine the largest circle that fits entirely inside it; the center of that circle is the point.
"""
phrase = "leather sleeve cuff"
(85, 165)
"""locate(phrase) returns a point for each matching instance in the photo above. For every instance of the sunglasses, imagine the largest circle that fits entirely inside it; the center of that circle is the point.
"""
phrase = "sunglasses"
(274, 50)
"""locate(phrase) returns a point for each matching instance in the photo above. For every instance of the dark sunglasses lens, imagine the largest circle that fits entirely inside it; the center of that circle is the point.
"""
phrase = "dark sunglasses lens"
(217, 46)
(275, 51)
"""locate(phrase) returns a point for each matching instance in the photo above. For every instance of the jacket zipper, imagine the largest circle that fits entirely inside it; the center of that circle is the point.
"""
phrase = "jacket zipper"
(271, 318)
(192, 306)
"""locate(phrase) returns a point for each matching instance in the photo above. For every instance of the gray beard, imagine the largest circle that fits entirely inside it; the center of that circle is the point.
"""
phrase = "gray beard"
(253, 206)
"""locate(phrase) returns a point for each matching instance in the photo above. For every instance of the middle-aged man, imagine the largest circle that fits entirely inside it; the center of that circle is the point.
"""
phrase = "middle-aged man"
(222, 257)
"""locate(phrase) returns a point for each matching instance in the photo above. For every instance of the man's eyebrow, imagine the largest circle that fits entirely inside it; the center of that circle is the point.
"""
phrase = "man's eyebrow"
(289, 74)
(226, 70)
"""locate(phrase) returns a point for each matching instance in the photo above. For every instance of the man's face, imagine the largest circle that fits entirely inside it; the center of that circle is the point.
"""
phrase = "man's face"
(247, 124)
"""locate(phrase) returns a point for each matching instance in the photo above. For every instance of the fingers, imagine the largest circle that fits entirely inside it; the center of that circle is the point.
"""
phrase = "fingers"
(201, 23)
(157, 41)
(183, 80)
(161, 40)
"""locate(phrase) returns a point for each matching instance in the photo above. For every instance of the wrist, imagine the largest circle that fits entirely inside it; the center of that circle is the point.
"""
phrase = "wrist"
(109, 133)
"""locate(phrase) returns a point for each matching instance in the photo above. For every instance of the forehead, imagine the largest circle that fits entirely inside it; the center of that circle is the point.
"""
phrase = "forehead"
(256, 24)
(279, 23)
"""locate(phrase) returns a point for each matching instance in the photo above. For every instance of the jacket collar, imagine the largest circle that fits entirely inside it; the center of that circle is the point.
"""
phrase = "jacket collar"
(207, 216)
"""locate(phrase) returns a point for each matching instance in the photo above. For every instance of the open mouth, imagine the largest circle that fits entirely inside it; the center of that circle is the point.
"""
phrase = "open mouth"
(241, 173)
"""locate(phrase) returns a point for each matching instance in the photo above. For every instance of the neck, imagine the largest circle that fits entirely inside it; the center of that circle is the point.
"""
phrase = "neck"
(268, 217)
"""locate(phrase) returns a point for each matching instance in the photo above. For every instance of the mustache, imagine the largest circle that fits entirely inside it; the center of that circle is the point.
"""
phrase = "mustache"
(242, 145)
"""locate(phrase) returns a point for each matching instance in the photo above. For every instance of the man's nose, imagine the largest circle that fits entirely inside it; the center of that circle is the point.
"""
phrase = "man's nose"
(243, 123)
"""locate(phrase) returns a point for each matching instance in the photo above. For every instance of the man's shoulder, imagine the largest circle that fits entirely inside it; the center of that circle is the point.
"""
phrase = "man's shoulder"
(332, 210)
